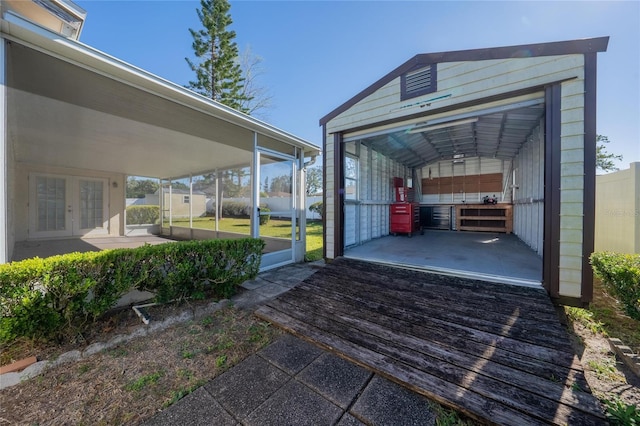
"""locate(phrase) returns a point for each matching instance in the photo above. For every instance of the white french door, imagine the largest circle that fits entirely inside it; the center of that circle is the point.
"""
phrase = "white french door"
(65, 206)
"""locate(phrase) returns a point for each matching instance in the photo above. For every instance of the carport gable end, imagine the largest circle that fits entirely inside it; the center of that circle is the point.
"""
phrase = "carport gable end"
(527, 110)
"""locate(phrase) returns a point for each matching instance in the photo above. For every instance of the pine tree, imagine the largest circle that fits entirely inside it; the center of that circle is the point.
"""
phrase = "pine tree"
(217, 68)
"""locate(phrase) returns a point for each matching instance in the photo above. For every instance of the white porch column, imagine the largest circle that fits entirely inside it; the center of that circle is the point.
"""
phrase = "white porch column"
(4, 183)
(255, 189)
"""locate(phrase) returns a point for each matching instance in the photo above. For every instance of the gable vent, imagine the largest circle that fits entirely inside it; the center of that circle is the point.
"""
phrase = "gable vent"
(418, 82)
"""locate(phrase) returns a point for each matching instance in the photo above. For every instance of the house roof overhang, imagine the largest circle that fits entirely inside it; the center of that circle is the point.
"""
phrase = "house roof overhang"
(582, 46)
(70, 105)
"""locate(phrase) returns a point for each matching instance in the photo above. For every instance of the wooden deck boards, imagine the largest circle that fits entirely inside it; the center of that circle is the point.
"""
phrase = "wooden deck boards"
(495, 352)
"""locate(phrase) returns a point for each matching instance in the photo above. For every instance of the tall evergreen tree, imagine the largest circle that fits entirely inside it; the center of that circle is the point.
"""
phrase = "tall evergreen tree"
(218, 72)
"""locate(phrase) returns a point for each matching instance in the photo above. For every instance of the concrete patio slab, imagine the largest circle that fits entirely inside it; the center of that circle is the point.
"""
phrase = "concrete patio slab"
(200, 408)
(246, 386)
(291, 354)
(336, 379)
(386, 403)
(295, 404)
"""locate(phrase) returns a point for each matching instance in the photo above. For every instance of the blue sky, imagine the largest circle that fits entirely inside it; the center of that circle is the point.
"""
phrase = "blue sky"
(318, 54)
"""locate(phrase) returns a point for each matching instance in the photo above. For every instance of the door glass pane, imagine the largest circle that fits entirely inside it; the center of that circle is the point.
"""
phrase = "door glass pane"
(235, 202)
(91, 204)
(51, 203)
(276, 202)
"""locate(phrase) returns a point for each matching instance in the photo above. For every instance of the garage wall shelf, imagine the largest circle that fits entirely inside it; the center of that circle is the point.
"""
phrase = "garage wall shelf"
(484, 217)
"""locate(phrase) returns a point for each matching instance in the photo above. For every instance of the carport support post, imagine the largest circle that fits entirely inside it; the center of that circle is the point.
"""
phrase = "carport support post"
(4, 255)
(255, 189)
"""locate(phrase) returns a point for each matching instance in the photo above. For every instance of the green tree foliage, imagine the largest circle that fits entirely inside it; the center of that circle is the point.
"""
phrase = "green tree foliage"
(314, 180)
(281, 184)
(217, 67)
(605, 160)
(138, 188)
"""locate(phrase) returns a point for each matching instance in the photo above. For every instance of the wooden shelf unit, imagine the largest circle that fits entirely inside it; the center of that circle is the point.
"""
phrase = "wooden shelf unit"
(484, 217)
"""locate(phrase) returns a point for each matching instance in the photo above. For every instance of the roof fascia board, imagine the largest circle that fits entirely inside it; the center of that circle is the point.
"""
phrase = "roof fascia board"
(570, 47)
(39, 38)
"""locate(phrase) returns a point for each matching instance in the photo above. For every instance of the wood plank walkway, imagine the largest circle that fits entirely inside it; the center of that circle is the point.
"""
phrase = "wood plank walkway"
(495, 352)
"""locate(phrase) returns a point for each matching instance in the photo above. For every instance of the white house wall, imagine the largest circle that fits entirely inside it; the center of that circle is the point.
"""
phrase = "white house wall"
(528, 194)
(116, 186)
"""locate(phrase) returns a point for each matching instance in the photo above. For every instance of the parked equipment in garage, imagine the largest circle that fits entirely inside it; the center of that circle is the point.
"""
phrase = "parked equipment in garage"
(404, 213)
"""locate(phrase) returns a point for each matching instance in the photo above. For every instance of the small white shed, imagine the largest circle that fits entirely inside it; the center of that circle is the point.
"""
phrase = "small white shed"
(516, 122)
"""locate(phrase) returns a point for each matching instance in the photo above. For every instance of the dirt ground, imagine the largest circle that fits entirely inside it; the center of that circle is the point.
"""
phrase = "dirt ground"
(607, 376)
(131, 382)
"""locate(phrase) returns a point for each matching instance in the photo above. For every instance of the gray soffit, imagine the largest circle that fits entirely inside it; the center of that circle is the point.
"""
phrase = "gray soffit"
(496, 135)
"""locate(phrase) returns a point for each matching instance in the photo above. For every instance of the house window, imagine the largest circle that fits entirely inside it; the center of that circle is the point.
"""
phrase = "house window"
(418, 82)
(350, 178)
(185, 199)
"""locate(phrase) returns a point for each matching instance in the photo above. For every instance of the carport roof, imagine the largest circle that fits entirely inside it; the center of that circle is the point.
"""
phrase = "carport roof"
(588, 45)
(73, 106)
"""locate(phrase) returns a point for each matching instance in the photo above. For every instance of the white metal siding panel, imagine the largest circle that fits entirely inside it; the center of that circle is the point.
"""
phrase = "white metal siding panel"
(463, 81)
(528, 211)
(350, 231)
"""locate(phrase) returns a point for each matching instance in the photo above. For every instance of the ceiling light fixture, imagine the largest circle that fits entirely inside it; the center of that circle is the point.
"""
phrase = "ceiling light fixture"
(427, 127)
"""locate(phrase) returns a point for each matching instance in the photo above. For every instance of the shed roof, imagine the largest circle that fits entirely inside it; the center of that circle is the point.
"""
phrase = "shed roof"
(588, 45)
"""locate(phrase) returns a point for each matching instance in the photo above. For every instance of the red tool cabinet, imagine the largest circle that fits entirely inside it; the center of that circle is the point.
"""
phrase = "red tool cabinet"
(404, 213)
(405, 218)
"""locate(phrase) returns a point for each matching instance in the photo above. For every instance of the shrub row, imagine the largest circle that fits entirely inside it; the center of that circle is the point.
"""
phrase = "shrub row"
(143, 215)
(620, 274)
(239, 209)
(61, 296)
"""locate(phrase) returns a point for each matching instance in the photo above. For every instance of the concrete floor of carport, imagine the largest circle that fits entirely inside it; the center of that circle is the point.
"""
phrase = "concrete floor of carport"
(45, 248)
(496, 257)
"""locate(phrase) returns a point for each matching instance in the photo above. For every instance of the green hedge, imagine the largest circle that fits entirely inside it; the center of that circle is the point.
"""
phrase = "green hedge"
(143, 215)
(61, 296)
(235, 209)
(620, 274)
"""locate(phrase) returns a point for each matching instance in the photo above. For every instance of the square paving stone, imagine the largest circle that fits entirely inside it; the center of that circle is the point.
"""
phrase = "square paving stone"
(247, 385)
(336, 379)
(197, 408)
(386, 403)
(271, 290)
(295, 405)
(348, 420)
(290, 353)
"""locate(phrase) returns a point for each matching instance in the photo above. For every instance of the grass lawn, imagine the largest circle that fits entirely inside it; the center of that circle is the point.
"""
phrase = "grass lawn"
(274, 228)
(314, 240)
(605, 316)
